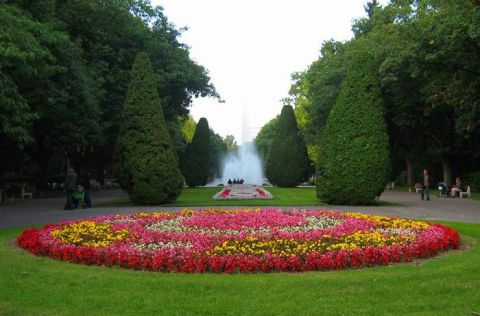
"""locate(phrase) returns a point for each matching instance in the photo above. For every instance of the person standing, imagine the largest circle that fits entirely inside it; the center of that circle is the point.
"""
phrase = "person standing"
(426, 184)
(86, 188)
(70, 186)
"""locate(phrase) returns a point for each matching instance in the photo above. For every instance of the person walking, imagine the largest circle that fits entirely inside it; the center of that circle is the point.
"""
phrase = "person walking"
(426, 184)
(70, 186)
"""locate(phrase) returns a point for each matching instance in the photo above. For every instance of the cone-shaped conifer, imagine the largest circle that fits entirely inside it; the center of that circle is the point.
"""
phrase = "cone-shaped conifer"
(197, 160)
(287, 162)
(354, 152)
(146, 163)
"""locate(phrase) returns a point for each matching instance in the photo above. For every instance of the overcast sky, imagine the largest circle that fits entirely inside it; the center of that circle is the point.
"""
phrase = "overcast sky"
(251, 48)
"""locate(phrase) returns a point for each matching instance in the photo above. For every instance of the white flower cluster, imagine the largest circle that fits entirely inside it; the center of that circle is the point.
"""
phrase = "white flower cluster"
(397, 231)
(313, 223)
(162, 245)
(174, 225)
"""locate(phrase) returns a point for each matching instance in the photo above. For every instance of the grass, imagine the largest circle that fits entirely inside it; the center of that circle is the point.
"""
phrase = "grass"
(281, 197)
(446, 285)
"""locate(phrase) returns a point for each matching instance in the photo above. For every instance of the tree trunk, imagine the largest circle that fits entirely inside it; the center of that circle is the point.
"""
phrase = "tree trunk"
(43, 161)
(410, 177)
(447, 172)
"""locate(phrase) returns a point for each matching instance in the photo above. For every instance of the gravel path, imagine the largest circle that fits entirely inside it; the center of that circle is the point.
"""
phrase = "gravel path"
(408, 205)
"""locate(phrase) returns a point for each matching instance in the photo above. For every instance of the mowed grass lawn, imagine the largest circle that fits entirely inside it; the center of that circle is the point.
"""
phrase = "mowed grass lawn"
(204, 197)
(446, 285)
(281, 196)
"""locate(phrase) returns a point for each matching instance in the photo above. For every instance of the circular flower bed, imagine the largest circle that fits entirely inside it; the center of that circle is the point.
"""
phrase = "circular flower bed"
(240, 240)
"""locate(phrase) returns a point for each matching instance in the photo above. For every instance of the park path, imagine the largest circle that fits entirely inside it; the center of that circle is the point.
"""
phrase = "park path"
(408, 205)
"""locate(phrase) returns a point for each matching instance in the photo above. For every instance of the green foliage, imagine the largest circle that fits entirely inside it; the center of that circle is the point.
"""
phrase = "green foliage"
(265, 136)
(64, 75)
(188, 125)
(197, 161)
(218, 149)
(146, 161)
(315, 91)
(231, 143)
(353, 159)
(23, 57)
(427, 61)
(473, 180)
(287, 162)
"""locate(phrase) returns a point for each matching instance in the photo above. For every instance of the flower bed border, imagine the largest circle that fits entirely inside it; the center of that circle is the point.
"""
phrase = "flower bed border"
(33, 241)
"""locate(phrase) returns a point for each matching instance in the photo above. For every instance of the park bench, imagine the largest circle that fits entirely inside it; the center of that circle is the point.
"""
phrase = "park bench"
(391, 186)
(465, 193)
(418, 188)
(24, 194)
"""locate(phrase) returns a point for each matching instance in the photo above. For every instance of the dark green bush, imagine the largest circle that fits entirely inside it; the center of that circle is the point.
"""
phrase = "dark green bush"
(473, 180)
(353, 160)
(287, 162)
(145, 159)
(197, 160)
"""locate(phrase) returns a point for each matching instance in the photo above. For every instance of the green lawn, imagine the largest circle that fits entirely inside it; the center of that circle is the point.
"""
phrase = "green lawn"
(447, 285)
(281, 196)
(204, 197)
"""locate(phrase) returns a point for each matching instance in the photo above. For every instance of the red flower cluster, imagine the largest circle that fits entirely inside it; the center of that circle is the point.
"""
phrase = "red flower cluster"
(225, 192)
(260, 192)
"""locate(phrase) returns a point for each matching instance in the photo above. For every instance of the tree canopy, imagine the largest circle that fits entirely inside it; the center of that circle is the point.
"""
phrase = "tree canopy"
(426, 57)
(64, 74)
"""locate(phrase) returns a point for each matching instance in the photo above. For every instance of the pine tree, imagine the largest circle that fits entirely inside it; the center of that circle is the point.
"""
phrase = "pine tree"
(287, 162)
(197, 160)
(354, 152)
(146, 163)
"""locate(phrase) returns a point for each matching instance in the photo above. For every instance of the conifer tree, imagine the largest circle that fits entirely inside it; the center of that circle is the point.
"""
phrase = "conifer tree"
(353, 160)
(197, 160)
(287, 162)
(146, 163)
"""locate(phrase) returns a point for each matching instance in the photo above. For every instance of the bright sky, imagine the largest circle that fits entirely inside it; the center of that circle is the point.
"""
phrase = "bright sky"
(251, 48)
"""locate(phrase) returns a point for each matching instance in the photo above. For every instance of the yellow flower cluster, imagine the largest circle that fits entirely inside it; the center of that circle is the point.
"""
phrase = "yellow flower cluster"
(155, 214)
(291, 247)
(87, 233)
(189, 212)
(384, 221)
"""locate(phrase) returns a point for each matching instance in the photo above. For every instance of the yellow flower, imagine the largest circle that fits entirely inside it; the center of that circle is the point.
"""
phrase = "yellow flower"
(88, 233)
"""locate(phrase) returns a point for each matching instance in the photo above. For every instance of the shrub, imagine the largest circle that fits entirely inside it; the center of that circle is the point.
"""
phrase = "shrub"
(287, 162)
(354, 152)
(473, 180)
(145, 159)
(197, 160)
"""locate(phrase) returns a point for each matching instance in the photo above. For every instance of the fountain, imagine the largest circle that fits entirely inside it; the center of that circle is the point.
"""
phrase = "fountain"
(244, 164)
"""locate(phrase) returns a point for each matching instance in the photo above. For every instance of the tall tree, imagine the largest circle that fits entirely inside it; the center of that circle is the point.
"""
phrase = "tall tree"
(263, 140)
(218, 150)
(197, 160)
(146, 161)
(287, 163)
(315, 91)
(230, 142)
